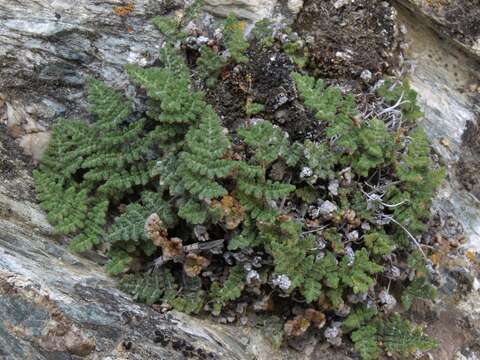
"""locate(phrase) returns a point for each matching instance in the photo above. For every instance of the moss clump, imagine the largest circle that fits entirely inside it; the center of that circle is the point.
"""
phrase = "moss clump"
(247, 219)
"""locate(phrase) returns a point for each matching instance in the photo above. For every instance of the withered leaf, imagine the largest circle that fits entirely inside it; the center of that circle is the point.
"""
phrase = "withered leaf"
(297, 326)
(156, 232)
(194, 264)
(231, 211)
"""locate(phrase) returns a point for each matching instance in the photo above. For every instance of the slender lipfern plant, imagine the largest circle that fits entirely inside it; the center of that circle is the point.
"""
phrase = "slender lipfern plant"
(202, 217)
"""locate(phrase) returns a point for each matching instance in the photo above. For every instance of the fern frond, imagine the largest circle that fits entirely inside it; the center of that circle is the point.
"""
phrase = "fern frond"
(401, 337)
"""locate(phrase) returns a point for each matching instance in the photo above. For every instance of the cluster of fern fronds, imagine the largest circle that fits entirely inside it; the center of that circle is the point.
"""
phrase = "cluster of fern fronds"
(204, 218)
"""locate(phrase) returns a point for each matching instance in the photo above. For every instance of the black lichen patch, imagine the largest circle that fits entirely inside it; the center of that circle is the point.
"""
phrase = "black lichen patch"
(9, 152)
(167, 338)
(464, 19)
(14, 168)
(348, 39)
(271, 81)
(229, 97)
(469, 164)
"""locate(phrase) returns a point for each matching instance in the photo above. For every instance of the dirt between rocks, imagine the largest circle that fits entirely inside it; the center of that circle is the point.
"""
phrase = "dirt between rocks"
(348, 37)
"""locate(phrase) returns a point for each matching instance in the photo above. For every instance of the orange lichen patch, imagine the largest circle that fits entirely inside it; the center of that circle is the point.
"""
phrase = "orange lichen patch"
(472, 256)
(238, 25)
(232, 212)
(446, 143)
(194, 264)
(124, 10)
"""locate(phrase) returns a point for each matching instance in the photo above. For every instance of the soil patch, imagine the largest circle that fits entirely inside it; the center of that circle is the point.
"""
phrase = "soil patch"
(348, 37)
(265, 79)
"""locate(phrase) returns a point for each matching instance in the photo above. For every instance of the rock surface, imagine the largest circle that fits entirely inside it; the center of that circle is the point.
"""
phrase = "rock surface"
(48, 48)
(55, 305)
(458, 20)
(447, 82)
(255, 9)
(447, 78)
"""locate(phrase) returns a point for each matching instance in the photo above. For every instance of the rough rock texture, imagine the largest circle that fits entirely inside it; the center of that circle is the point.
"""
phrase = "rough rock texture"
(255, 9)
(447, 81)
(48, 48)
(54, 305)
(458, 20)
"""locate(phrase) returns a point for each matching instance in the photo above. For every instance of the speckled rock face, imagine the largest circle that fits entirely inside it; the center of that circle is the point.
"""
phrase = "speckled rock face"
(448, 82)
(49, 48)
(54, 45)
(458, 19)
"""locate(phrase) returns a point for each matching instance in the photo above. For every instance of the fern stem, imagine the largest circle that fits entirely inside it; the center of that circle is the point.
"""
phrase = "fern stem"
(416, 242)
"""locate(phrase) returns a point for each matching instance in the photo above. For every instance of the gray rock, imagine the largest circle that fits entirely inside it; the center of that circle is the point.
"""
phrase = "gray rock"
(341, 3)
(441, 83)
(254, 10)
(387, 300)
(56, 45)
(457, 20)
(327, 208)
(282, 281)
(333, 187)
(333, 334)
(366, 75)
